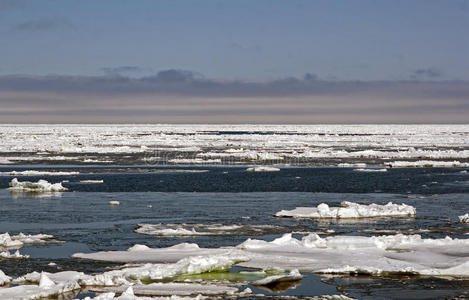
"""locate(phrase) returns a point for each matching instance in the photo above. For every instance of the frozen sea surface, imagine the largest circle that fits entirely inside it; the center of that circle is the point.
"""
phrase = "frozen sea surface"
(233, 144)
(189, 184)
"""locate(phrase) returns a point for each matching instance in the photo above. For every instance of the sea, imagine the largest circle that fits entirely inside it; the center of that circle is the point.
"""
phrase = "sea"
(194, 176)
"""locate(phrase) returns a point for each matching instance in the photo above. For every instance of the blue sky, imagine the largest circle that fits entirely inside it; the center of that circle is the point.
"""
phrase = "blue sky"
(238, 43)
(365, 40)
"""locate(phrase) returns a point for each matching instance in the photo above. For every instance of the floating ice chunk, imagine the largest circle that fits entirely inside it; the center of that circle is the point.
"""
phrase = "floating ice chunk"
(294, 275)
(370, 170)
(35, 187)
(111, 296)
(194, 161)
(34, 238)
(4, 161)
(15, 255)
(47, 289)
(38, 173)
(4, 279)
(464, 218)
(188, 265)
(205, 229)
(350, 210)
(153, 255)
(57, 278)
(17, 241)
(351, 165)
(89, 160)
(372, 255)
(138, 247)
(174, 290)
(7, 242)
(114, 203)
(426, 163)
(262, 169)
(92, 181)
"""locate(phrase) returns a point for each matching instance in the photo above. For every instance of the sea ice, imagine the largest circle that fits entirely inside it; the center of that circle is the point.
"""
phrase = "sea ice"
(194, 161)
(46, 288)
(4, 279)
(15, 255)
(143, 254)
(262, 169)
(334, 254)
(184, 229)
(173, 289)
(464, 218)
(294, 275)
(370, 170)
(38, 173)
(187, 265)
(114, 203)
(92, 181)
(35, 187)
(17, 241)
(426, 163)
(350, 210)
(349, 165)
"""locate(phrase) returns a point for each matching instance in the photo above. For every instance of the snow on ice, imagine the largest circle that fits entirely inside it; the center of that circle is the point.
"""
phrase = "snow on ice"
(464, 218)
(262, 169)
(17, 241)
(183, 229)
(35, 187)
(350, 210)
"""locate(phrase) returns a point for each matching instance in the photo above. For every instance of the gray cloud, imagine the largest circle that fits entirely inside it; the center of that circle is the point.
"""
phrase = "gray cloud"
(423, 74)
(186, 96)
(123, 70)
(43, 24)
(192, 84)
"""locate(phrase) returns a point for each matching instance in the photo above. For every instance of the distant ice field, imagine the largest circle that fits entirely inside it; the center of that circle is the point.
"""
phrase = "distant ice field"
(321, 145)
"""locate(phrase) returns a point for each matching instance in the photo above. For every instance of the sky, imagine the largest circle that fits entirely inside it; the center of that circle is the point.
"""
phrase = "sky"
(241, 61)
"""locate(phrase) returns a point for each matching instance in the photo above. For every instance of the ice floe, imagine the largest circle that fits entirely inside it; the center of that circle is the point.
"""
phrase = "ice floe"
(464, 218)
(426, 163)
(17, 241)
(45, 288)
(92, 181)
(194, 161)
(114, 203)
(350, 210)
(294, 275)
(15, 255)
(4, 279)
(186, 265)
(173, 289)
(350, 165)
(144, 254)
(39, 173)
(35, 187)
(183, 229)
(370, 170)
(262, 169)
(334, 254)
